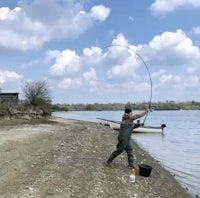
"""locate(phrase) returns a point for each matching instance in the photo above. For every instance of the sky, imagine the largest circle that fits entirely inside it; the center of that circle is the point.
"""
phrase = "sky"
(102, 51)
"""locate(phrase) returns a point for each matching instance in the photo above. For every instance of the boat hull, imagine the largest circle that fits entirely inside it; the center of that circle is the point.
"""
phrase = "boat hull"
(142, 129)
(148, 130)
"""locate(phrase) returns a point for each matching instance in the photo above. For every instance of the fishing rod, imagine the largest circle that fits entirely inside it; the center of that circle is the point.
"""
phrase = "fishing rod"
(147, 69)
(116, 122)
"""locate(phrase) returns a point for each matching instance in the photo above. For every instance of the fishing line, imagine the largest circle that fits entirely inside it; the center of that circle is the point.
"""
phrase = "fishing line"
(147, 69)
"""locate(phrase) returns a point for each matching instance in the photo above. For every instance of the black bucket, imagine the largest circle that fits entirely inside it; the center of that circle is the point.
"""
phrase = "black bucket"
(144, 170)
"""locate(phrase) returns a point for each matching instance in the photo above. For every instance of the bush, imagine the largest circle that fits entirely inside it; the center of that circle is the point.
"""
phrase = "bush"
(37, 93)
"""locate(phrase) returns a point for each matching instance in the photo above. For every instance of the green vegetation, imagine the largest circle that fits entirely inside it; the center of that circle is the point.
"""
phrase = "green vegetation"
(37, 93)
(7, 109)
(37, 102)
(168, 105)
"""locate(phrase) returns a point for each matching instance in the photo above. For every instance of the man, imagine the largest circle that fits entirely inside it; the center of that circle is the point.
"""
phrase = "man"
(124, 137)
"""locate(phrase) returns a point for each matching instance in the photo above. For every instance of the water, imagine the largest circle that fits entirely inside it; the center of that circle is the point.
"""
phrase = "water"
(178, 150)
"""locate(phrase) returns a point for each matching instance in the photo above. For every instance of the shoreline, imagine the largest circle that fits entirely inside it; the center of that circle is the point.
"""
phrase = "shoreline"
(66, 158)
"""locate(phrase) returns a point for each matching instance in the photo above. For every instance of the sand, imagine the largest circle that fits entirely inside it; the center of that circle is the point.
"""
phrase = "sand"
(66, 158)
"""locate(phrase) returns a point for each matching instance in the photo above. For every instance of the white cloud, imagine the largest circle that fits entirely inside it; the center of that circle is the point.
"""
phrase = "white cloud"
(7, 14)
(191, 81)
(4, 13)
(9, 76)
(119, 60)
(100, 12)
(166, 78)
(192, 70)
(158, 74)
(127, 69)
(66, 62)
(165, 6)
(51, 54)
(120, 40)
(70, 83)
(171, 49)
(92, 51)
(90, 75)
(115, 62)
(30, 63)
(92, 56)
(196, 30)
(118, 67)
(126, 59)
(10, 81)
(168, 50)
(31, 25)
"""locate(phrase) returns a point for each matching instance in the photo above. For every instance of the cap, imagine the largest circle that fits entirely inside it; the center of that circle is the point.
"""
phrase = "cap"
(127, 110)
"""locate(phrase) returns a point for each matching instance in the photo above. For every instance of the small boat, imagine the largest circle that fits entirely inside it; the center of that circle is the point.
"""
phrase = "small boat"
(141, 129)
(149, 129)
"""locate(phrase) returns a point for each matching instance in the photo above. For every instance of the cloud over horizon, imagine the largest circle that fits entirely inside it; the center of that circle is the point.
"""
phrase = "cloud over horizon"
(28, 27)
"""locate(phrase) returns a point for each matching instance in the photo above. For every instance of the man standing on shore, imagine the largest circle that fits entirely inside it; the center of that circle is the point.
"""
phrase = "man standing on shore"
(124, 137)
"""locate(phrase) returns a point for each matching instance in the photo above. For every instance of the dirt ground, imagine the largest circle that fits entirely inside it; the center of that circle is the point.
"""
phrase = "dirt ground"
(66, 159)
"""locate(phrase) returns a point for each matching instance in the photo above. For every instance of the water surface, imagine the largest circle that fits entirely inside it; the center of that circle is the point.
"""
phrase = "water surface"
(178, 149)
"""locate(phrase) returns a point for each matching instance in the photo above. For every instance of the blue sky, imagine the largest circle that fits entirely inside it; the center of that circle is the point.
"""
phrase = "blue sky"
(89, 50)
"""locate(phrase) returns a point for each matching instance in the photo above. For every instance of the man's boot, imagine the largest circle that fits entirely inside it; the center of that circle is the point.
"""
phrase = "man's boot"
(131, 160)
(110, 159)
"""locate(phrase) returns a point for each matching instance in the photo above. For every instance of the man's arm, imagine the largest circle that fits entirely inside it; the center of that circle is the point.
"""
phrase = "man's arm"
(134, 117)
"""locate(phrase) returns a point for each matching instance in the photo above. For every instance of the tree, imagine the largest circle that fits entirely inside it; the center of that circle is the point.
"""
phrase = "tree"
(37, 93)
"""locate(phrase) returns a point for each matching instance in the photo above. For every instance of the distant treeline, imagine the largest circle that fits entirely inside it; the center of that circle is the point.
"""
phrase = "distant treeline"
(168, 105)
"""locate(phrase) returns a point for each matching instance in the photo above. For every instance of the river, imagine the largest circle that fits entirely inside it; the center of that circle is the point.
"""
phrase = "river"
(178, 150)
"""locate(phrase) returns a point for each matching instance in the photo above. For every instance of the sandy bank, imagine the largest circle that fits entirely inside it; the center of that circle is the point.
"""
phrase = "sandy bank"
(65, 159)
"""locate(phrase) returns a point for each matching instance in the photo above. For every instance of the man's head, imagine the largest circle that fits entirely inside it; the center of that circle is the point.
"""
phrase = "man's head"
(127, 110)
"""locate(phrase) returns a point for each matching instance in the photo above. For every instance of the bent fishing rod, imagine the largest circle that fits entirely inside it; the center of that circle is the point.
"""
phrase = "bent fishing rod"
(147, 69)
